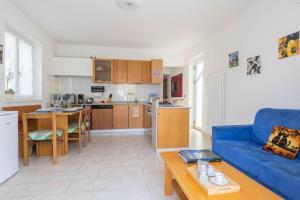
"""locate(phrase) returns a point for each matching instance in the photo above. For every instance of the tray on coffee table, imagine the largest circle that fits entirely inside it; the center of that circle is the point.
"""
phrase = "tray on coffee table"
(211, 188)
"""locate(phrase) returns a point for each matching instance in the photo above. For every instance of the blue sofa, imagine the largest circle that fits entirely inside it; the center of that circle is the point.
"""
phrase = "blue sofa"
(241, 146)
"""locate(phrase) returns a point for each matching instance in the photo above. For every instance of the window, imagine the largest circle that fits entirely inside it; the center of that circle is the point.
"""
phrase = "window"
(18, 65)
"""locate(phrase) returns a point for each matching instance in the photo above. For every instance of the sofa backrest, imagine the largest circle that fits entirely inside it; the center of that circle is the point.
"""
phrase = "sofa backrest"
(267, 118)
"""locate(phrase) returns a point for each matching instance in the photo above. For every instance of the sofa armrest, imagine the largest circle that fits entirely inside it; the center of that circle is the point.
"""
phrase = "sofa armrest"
(236, 132)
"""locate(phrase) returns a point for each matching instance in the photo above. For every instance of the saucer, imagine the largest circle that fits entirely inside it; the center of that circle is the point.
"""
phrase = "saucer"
(213, 180)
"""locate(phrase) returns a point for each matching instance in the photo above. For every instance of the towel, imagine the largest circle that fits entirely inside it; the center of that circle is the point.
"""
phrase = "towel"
(135, 112)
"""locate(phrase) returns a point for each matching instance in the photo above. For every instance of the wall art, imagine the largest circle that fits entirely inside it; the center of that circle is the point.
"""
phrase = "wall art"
(288, 46)
(234, 59)
(254, 65)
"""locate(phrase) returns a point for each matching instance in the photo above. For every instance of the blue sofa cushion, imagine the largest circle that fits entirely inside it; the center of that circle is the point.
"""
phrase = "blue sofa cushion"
(247, 155)
(267, 118)
(282, 175)
(277, 172)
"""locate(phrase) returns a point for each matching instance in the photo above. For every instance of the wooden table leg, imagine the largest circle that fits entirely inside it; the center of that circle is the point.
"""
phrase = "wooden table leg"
(168, 181)
(62, 123)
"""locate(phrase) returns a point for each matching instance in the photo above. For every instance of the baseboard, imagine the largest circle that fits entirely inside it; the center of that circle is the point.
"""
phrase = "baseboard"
(116, 132)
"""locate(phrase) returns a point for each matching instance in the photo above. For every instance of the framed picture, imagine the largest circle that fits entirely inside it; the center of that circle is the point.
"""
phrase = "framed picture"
(288, 46)
(234, 59)
(176, 85)
(1, 54)
(254, 65)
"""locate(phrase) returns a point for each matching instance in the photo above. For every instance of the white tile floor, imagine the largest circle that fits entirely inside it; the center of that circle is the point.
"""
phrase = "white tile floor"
(109, 168)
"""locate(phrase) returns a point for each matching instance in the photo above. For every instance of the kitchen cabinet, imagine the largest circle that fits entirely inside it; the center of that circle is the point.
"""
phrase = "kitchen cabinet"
(102, 70)
(156, 71)
(120, 71)
(172, 127)
(102, 119)
(136, 116)
(64, 66)
(135, 71)
(146, 65)
(120, 116)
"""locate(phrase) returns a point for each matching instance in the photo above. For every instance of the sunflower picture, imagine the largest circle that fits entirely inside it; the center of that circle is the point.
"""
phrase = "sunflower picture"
(288, 46)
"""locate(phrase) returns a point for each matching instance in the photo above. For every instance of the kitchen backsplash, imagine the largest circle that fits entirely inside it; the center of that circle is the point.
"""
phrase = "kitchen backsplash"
(120, 92)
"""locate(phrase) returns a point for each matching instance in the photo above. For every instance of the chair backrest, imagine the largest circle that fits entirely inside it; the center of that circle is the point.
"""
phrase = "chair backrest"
(86, 116)
(267, 118)
(24, 109)
(29, 116)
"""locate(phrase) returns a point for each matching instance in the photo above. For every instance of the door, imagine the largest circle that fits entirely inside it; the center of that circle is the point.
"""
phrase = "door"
(146, 71)
(120, 71)
(8, 146)
(120, 116)
(135, 71)
(136, 116)
(198, 93)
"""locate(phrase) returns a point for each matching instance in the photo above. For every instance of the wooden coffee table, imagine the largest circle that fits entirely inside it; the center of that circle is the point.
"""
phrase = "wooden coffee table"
(176, 177)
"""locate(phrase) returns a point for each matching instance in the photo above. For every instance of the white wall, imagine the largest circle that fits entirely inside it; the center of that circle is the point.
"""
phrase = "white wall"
(255, 32)
(12, 17)
(171, 58)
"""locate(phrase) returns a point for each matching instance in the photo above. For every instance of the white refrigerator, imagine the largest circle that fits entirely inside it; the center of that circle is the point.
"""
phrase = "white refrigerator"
(9, 160)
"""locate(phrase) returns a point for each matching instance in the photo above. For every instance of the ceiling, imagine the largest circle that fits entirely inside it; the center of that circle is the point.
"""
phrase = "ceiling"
(157, 24)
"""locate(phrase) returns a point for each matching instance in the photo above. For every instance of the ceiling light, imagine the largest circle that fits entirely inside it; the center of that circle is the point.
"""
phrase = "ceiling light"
(128, 4)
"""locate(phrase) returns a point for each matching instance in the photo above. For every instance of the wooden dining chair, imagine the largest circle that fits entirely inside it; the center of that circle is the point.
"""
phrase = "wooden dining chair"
(76, 130)
(32, 124)
(54, 135)
(87, 122)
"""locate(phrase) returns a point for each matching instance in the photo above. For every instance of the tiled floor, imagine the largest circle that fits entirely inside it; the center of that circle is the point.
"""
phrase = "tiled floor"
(109, 168)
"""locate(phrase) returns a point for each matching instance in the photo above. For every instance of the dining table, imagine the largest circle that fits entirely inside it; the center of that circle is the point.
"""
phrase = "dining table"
(62, 122)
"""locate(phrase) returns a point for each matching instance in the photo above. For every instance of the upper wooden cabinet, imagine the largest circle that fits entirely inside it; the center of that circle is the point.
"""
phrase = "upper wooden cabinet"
(135, 71)
(156, 71)
(128, 71)
(102, 70)
(120, 71)
(146, 71)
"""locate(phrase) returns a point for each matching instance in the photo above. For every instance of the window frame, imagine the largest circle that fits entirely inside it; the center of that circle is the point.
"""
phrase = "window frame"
(19, 38)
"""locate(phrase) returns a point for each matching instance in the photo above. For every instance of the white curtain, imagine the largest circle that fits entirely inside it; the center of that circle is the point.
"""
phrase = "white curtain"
(25, 69)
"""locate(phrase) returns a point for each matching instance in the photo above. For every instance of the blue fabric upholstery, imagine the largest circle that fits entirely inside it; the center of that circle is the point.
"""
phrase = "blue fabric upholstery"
(242, 147)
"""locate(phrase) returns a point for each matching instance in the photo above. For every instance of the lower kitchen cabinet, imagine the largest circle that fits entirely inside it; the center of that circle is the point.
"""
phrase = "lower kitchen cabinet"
(120, 117)
(136, 116)
(172, 127)
(102, 119)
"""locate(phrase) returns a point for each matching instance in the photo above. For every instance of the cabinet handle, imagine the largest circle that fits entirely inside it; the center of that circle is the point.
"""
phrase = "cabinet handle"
(7, 123)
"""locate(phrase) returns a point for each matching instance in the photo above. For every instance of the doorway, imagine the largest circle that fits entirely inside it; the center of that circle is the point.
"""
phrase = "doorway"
(198, 92)
(166, 88)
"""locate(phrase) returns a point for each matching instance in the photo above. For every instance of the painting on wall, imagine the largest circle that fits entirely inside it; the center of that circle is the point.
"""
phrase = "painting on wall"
(254, 65)
(176, 86)
(288, 46)
(234, 59)
(1, 54)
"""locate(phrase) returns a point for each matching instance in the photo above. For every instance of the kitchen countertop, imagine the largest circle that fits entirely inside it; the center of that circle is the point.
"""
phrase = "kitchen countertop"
(173, 107)
(119, 103)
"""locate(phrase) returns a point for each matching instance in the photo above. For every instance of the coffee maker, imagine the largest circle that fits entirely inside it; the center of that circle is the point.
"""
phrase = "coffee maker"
(80, 98)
